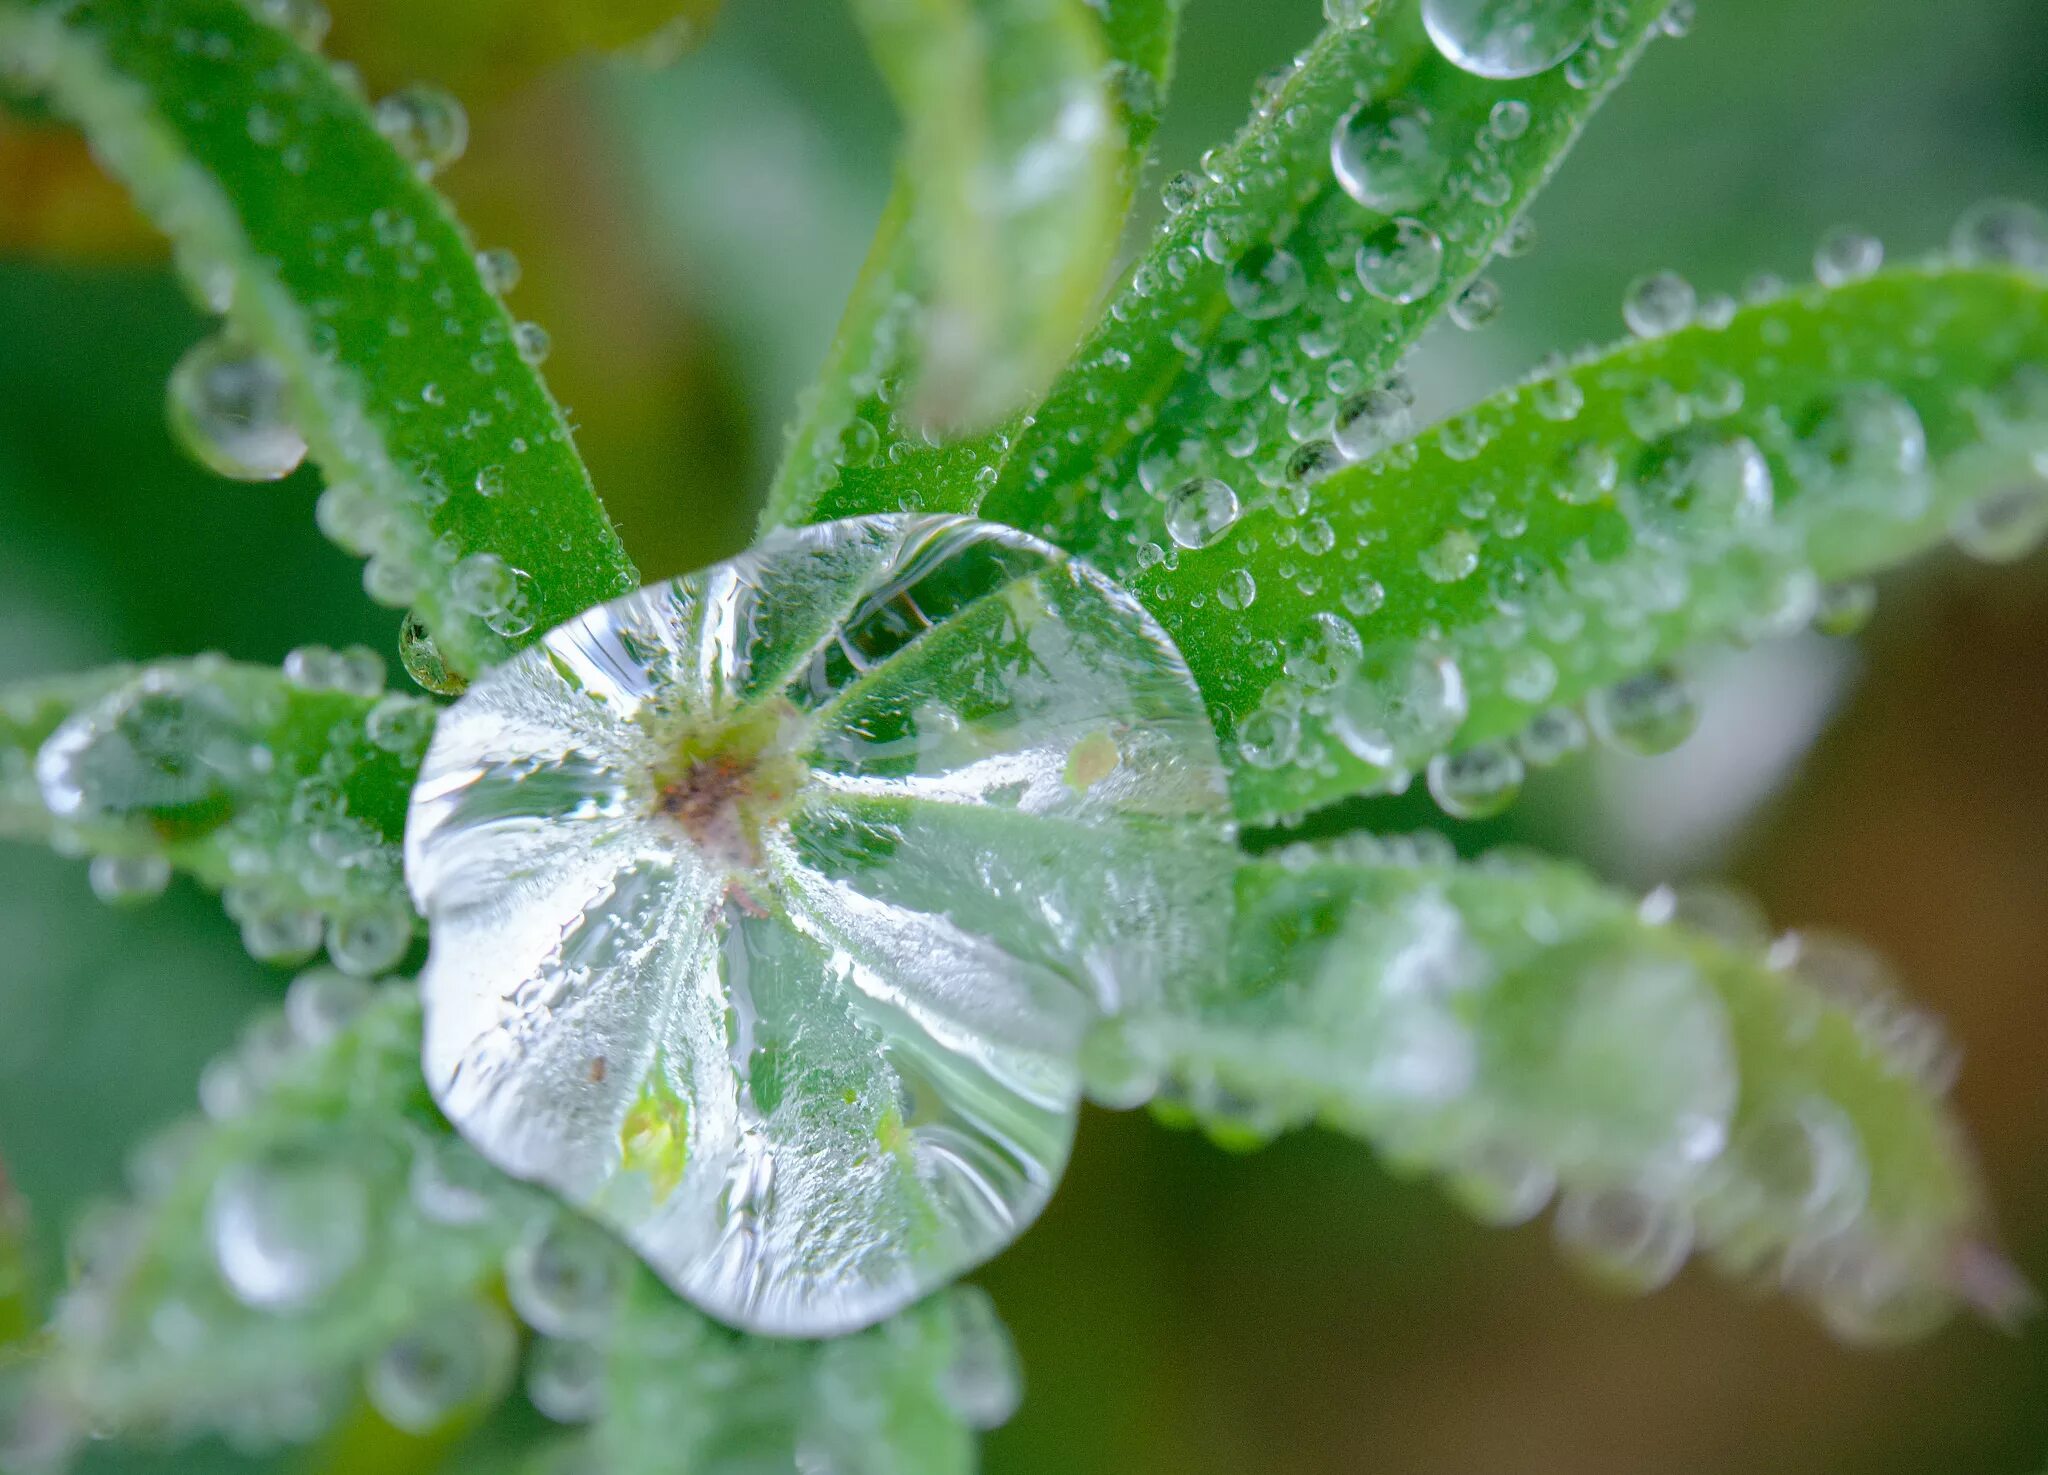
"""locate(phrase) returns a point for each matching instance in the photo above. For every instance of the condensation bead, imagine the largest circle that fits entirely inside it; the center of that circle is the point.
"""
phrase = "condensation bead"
(1844, 609)
(1660, 304)
(1267, 283)
(423, 661)
(565, 1379)
(1238, 589)
(1805, 1162)
(1384, 157)
(450, 1364)
(426, 125)
(1645, 715)
(1630, 1239)
(1321, 652)
(305, 21)
(1551, 737)
(1120, 1066)
(1477, 306)
(1846, 256)
(1476, 783)
(1401, 262)
(563, 1278)
(289, 936)
(1701, 487)
(286, 1230)
(2006, 525)
(124, 880)
(1362, 595)
(1507, 39)
(1268, 738)
(983, 1383)
(2003, 233)
(449, 1183)
(228, 405)
(1369, 422)
(1509, 119)
(321, 1002)
(1201, 511)
(368, 943)
(401, 724)
(483, 584)
(531, 342)
(499, 268)
(1501, 1185)
(1399, 706)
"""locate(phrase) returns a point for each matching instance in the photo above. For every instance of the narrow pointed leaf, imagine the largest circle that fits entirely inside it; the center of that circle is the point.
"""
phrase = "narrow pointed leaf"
(1581, 529)
(1246, 327)
(447, 460)
(269, 1255)
(1516, 1028)
(1026, 130)
(286, 791)
(332, 1240)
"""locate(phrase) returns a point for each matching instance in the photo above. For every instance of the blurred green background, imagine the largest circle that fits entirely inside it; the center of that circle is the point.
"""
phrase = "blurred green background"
(688, 236)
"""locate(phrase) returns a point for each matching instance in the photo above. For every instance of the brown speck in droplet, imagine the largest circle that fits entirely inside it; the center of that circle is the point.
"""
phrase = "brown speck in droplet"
(597, 1069)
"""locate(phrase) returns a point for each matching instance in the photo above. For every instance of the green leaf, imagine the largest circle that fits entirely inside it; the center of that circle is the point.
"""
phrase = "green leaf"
(977, 286)
(1581, 529)
(683, 1392)
(329, 1234)
(1515, 1028)
(272, 1254)
(287, 790)
(17, 1289)
(342, 270)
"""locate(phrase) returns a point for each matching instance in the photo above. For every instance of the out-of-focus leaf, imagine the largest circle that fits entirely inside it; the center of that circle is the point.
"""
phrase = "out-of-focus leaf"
(295, 216)
(1547, 548)
(17, 1306)
(1027, 126)
(287, 790)
(1517, 1029)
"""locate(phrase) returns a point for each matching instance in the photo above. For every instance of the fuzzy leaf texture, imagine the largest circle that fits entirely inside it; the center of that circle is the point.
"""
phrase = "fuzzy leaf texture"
(1679, 1079)
(1019, 164)
(1245, 311)
(325, 1240)
(284, 789)
(361, 327)
(1546, 549)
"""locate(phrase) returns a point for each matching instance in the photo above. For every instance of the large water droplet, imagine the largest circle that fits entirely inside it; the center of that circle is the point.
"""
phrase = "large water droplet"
(1647, 714)
(1402, 262)
(227, 406)
(1400, 705)
(1504, 39)
(764, 923)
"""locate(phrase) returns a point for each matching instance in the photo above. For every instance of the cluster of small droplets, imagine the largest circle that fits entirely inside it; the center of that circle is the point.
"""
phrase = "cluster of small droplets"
(1528, 1037)
(178, 755)
(1721, 526)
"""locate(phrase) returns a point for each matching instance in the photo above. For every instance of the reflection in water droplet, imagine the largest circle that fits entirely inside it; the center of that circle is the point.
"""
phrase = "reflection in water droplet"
(227, 407)
(1505, 39)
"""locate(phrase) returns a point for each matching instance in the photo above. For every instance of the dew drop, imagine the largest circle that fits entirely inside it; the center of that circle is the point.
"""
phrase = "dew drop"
(368, 943)
(531, 342)
(1551, 737)
(1506, 39)
(565, 1379)
(1846, 256)
(1628, 1238)
(484, 585)
(1844, 609)
(1588, 473)
(426, 125)
(1400, 706)
(1451, 558)
(126, 880)
(320, 1004)
(1647, 714)
(1237, 591)
(1384, 158)
(421, 1381)
(1268, 737)
(305, 21)
(285, 1230)
(423, 661)
(1509, 119)
(1477, 783)
(2006, 525)
(563, 1277)
(1478, 305)
(1702, 486)
(1266, 283)
(227, 406)
(983, 1383)
(1369, 422)
(499, 268)
(2003, 233)
(1401, 262)
(1660, 304)
(1322, 652)
(1200, 511)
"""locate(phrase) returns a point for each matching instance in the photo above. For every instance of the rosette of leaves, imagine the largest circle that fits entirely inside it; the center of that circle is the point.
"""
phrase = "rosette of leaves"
(779, 916)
